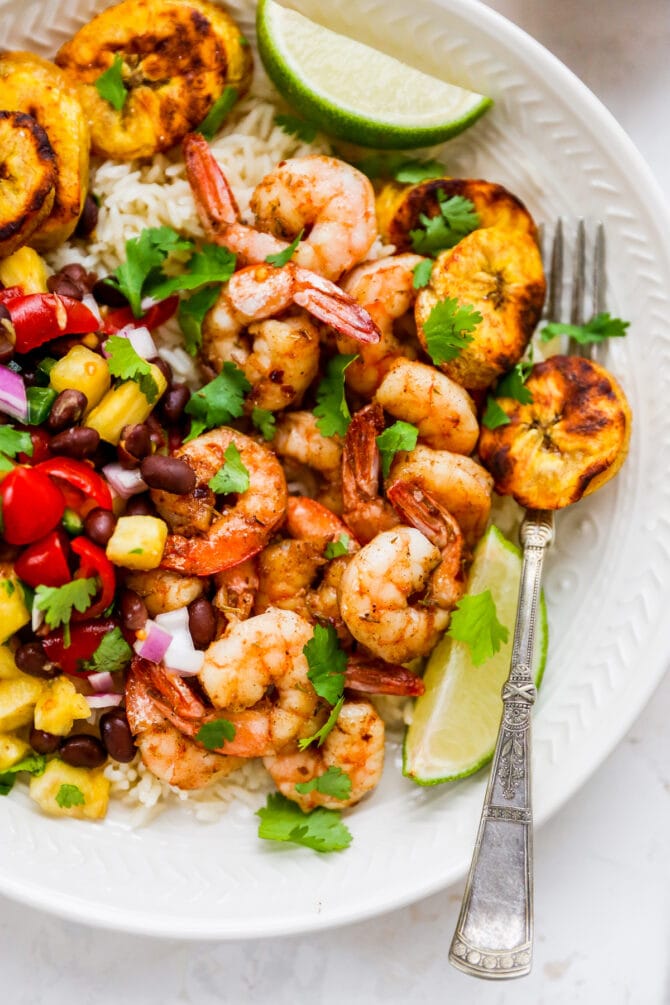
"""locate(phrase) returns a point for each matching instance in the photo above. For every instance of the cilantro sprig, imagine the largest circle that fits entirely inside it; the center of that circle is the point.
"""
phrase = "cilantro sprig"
(327, 662)
(58, 602)
(232, 476)
(113, 654)
(69, 796)
(422, 272)
(334, 549)
(322, 829)
(218, 402)
(214, 734)
(511, 385)
(34, 764)
(448, 329)
(321, 734)
(332, 410)
(300, 128)
(456, 219)
(191, 314)
(475, 622)
(598, 329)
(406, 170)
(265, 422)
(333, 782)
(110, 86)
(124, 362)
(285, 256)
(13, 442)
(400, 436)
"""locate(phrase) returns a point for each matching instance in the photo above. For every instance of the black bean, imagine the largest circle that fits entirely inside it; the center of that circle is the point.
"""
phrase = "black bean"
(32, 659)
(140, 505)
(80, 277)
(116, 735)
(64, 287)
(133, 611)
(89, 217)
(43, 742)
(174, 402)
(201, 622)
(164, 368)
(171, 474)
(108, 295)
(67, 409)
(83, 751)
(136, 440)
(99, 526)
(78, 441)
(6, 347)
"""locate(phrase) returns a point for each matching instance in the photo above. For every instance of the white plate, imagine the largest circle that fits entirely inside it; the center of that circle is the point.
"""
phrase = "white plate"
(554, 144)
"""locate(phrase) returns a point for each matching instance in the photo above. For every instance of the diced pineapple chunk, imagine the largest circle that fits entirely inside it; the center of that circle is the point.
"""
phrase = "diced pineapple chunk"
(12, 750)
(83, 370)
(123, 405)
(58, 706)
(65, 791)
(25, 268)
(138, 542)
(17, 701)
(13, 611)
(8, 668)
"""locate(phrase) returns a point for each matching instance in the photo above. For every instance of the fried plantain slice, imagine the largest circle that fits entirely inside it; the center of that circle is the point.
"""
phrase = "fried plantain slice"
(177, 56)
(27, 179)
(571, 439)
(37, 87)
(500, 274)
(399, 207)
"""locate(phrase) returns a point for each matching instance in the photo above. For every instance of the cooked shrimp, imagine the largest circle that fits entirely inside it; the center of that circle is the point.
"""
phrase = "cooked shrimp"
(355, 745)
(236, 590)
(163, 591)
(376, 594)
(208, 541)
(331, 200)
(309, 520)
(286, 572)
(298, 439)
(458, 484)
(365, 509)
(442, 411)
(385, 289)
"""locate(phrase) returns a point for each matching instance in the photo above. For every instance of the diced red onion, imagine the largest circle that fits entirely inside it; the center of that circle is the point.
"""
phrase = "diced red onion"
(126, 482)
(154, 645)
(181, 656)
(101, 682)
(13, 400)
(108, 700)
(36, 617)
(141, 341)
(89, 301)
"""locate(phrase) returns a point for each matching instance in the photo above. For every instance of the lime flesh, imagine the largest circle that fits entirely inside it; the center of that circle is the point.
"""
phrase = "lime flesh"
(455, 723)
(355, 92)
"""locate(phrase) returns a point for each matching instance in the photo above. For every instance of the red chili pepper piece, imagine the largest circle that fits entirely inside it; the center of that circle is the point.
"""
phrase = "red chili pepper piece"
(94, 562)
(80, 476)
(44, 563)
(153, 318)
(32, 505)
(40, 317)
(10, 293)
(84, 640)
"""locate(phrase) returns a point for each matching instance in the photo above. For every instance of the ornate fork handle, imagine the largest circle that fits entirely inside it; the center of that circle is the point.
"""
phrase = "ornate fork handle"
(494, 933)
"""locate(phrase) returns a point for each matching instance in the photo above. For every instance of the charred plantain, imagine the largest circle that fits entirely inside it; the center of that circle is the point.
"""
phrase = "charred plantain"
(27, 179)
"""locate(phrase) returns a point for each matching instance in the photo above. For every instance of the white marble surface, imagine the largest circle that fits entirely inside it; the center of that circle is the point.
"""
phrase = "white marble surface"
(602, 865)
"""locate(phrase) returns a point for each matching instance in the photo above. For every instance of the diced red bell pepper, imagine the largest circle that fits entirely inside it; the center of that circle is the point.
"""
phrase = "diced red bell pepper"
(80, 476)
(41, 317)
(45, 563)
(32, 505)
(153, 318)
(84, 640)
(10, 293)
(94, 563)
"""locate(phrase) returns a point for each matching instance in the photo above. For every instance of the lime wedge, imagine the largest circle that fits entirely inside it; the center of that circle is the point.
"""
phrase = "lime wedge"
(455, 724)
(357, 93)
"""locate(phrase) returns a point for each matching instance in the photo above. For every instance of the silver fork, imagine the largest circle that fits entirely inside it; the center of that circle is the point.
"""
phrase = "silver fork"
(494, 932)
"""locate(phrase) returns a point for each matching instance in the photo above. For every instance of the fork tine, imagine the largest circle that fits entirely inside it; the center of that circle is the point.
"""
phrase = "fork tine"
(578, 287)
(556, 275)
(599, 271)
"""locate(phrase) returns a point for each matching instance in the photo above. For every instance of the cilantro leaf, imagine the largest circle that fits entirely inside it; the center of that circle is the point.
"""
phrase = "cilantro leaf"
(264, 421)
(110, 86)
(212, 264)
(126, 363)
(513, 383)
(214, 734)
(231, 476)
(399, 436)
(58, 602)
(448, 329)
(494, 416)
(322, 733)
(218, 113)
(15, 441)
(475, 622)
(69, 795)
(456, 219)
(332, 411)
(327, 663)
(407, 170)
(336, 548)
(322, 829)
(218, 402)
(144, 257)
(113, 654)
(422, 273)
(282, 257)
(33, 763)
(300, 128)
(333, 782)
(191, 314)
(599, 328)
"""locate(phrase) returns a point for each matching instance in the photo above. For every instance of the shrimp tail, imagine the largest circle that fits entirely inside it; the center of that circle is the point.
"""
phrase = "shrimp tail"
(367, 675)
(420, 509)
(214, 199)
(361, 460)
(328, 303)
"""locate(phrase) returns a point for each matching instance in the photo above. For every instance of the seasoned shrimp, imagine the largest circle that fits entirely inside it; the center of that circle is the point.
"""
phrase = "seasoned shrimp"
(376, 594)
(286, 572)
(442, 411)
(164, 591)
(366, 511)
(329, 199)
(355, 745)
(298, 440)
(385, 289)
(309, 520)
(205, 540)
(236, 590)
(458, 484)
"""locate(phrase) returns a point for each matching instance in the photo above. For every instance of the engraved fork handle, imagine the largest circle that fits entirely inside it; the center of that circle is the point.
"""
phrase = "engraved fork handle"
(494, 934)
